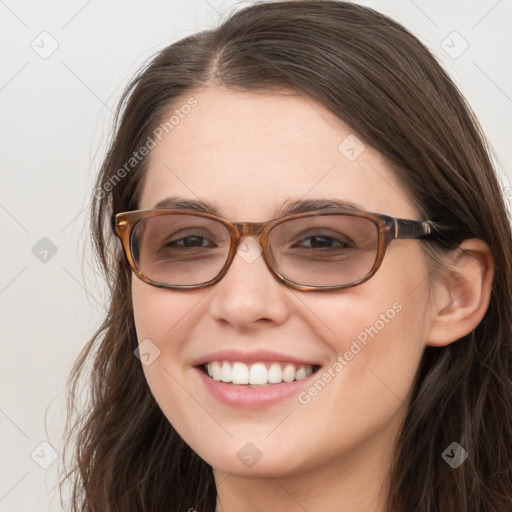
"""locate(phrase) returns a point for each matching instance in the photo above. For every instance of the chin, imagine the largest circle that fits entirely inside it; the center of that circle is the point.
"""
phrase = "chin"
(254, 459)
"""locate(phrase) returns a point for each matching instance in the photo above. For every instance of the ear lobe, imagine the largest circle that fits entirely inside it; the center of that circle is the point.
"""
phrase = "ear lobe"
(463, 294)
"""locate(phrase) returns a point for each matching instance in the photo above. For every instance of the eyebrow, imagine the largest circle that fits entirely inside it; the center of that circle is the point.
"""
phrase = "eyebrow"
(289, 207)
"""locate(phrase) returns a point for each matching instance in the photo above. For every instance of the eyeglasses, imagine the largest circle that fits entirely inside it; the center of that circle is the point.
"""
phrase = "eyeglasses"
(314, 251)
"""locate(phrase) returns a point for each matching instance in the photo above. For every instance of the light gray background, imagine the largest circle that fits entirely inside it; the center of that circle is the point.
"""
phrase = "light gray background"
(55, 119)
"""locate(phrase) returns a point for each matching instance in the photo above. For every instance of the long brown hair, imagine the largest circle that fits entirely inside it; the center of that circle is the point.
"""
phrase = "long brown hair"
(379, 79)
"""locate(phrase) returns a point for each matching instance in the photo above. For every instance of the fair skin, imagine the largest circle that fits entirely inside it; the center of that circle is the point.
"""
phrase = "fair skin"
(249, 153)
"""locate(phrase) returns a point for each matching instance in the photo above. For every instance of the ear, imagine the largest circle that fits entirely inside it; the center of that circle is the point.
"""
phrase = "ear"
(463, 294)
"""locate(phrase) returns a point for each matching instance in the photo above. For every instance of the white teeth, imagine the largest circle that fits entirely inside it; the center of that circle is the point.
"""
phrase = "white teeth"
(289, 373)
(275, 374)
(301, 373)
(257, 373)
(240, 374)
(215, 368)
(226, 373)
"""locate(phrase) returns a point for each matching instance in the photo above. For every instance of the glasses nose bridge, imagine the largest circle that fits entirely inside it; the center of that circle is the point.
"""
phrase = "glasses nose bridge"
(254, 229)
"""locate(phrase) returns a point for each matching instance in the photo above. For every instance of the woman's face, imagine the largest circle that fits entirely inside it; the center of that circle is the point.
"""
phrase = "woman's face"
(249, 154)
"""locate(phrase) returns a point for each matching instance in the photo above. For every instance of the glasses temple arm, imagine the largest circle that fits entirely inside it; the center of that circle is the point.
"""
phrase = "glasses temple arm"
(418, 228)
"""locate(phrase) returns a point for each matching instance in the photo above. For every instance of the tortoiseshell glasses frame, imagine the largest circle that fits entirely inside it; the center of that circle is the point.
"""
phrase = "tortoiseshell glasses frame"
(389, 229)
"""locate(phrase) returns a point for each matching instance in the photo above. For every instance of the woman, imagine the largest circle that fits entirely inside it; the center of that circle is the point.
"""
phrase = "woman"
(349, 351)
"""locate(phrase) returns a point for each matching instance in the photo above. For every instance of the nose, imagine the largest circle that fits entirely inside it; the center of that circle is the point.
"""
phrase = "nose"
(249, 293)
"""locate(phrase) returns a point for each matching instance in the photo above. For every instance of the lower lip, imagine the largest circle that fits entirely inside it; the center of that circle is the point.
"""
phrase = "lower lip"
(245, 397)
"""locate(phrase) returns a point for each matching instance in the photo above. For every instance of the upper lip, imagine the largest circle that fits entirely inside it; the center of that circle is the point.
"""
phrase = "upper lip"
(257, 356)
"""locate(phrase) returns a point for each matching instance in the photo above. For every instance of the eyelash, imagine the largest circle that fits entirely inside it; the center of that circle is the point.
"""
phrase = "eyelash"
(343, 244)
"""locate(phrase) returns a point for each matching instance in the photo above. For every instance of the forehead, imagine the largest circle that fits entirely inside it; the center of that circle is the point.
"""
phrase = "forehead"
(248, 153)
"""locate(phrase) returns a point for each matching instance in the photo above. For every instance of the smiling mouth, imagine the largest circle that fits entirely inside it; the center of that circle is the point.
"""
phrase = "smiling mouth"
(256, 374)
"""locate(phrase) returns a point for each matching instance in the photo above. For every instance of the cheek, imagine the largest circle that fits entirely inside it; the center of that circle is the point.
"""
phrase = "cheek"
(377, 337)
(155, 312)
(160, 314)
(147, 311)
(386, 315)
(163, 321)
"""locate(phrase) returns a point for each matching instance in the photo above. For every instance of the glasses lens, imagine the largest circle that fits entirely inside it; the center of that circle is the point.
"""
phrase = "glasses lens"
(180, 249)
(326, 250)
